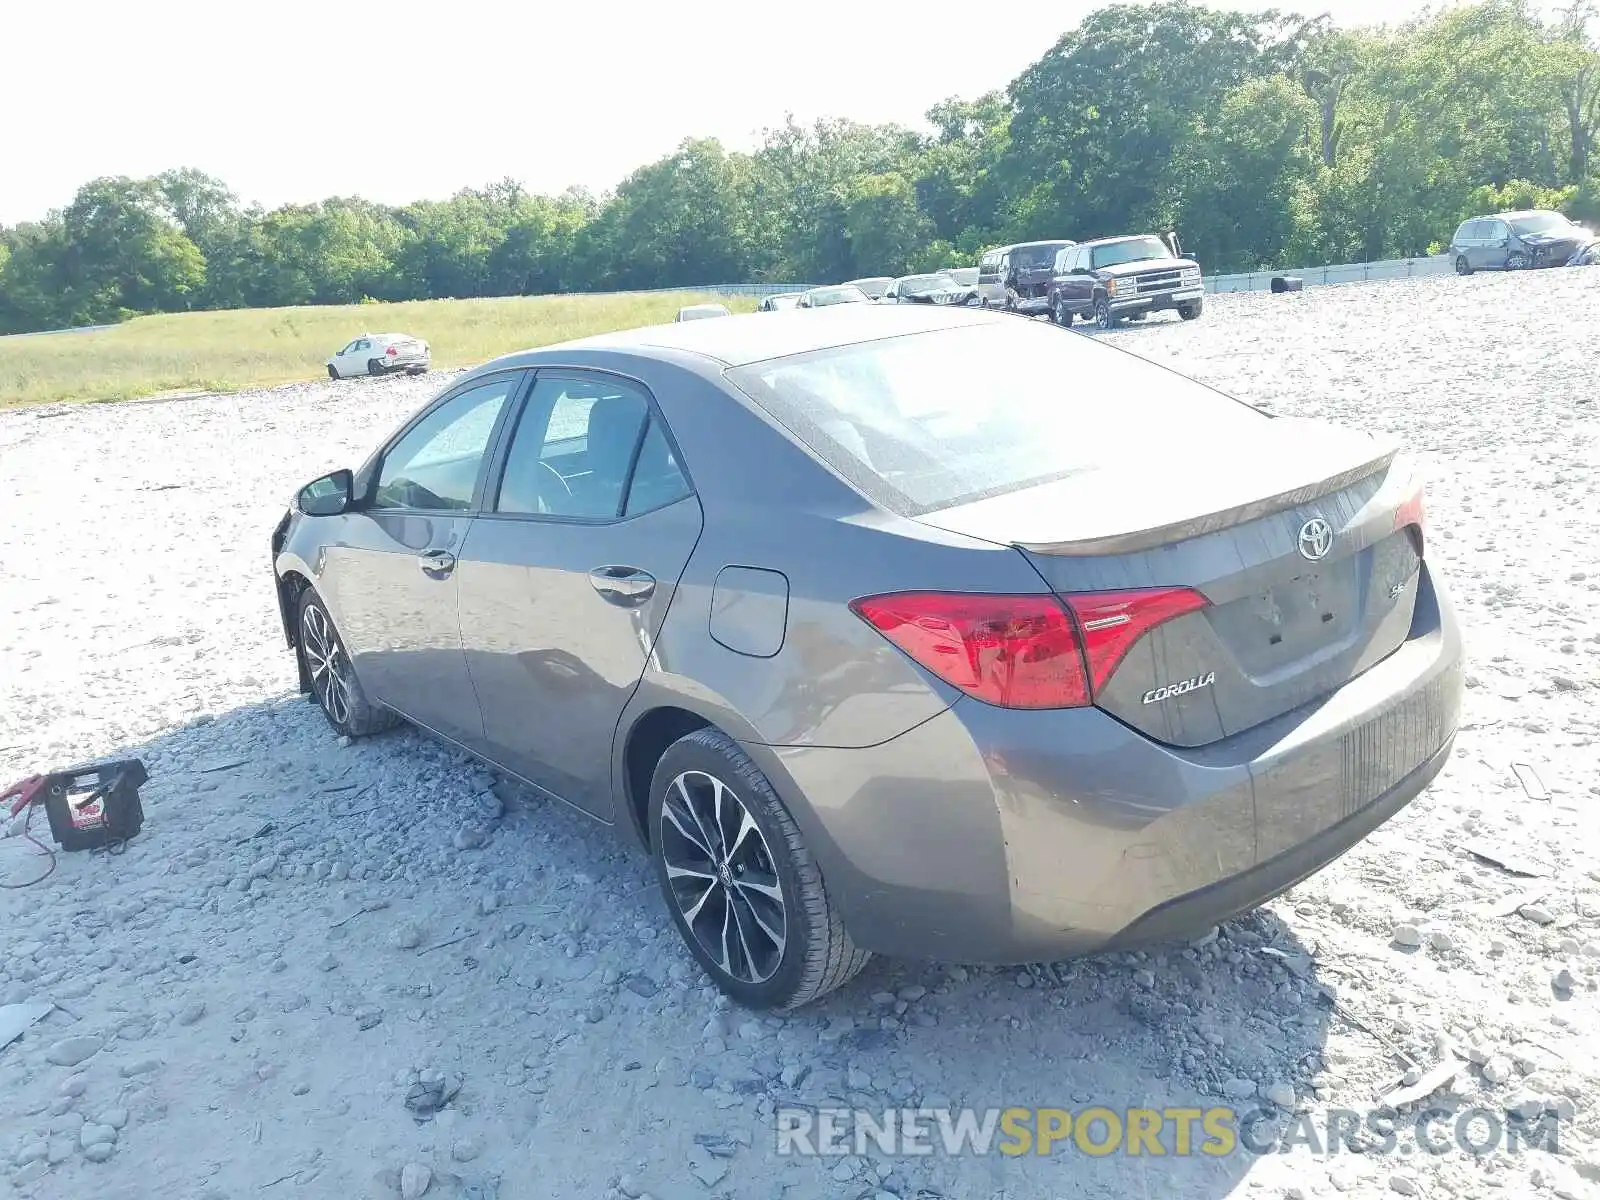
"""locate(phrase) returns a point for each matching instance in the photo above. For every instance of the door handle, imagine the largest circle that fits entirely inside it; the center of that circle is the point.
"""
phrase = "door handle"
(437, 563)
(622, 585)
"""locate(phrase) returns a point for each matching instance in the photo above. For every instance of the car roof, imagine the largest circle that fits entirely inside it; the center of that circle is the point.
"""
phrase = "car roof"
(863, 279)
(1121, 237)
(749, 337)
(1043, 242)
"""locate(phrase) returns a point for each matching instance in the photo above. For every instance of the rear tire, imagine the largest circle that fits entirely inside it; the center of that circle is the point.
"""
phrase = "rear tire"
(746, 895)
(375, 366)
(1463, 267)
(334, 686)
(1192, 311)
(1104, 318)
(1516, 261)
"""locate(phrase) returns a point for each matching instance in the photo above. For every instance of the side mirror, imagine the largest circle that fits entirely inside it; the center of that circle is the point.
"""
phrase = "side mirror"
(328, 496)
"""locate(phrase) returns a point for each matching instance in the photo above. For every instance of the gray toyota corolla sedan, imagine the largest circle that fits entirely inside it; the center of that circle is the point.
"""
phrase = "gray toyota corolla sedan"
(912, 630)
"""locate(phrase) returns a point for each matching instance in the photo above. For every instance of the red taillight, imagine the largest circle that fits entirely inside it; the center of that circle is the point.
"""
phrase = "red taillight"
(392, 352)
(1411, 513)
(1023, 651)
(1113, 621)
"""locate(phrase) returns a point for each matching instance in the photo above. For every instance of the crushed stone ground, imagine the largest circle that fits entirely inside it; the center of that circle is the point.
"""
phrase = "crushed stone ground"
(375, 970)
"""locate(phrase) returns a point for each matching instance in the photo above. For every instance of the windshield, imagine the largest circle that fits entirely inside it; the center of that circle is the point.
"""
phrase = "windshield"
(837, 295)
(921, 285)
(965, 276)
(931, 420)
(875, 286)
(1541, 222)
(1026, 258)
(1130, 250)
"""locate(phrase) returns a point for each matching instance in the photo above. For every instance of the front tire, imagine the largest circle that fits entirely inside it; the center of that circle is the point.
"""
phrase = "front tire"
(746, 895)
(1104, 318)
(1463, 267)
(334, 685)
(333, 372)
(1516, 261)
(1191, 311)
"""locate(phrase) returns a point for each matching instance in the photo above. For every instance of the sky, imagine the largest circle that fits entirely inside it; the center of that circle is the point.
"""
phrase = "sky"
(296, 100)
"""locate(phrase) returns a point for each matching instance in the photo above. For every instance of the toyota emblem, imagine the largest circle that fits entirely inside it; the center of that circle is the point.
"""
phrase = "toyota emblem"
(1316, 539)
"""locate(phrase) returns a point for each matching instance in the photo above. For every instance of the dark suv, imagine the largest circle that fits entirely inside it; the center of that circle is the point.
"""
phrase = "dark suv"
(1514, 241)
(1113, 278)
(1025, 272)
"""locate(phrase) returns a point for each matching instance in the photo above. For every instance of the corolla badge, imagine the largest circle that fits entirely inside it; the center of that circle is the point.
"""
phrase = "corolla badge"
(1316, 539)
(1183, 687)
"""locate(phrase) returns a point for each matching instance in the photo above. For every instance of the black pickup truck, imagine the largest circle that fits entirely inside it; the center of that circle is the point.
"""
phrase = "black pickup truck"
(1110, 279)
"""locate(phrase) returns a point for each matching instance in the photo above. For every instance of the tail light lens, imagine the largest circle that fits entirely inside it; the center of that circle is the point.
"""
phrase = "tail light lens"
(392, 352)
(1023, 651)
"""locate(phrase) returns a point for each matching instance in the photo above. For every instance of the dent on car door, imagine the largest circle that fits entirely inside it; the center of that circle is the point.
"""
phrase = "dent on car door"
(392, 576)
(567, 576)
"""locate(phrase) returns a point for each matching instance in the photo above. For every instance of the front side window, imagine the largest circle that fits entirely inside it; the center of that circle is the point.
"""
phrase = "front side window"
(434, 466)
(932, 420)
(579, 443)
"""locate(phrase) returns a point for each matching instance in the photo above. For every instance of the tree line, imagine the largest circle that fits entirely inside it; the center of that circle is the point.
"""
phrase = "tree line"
(1267, 139)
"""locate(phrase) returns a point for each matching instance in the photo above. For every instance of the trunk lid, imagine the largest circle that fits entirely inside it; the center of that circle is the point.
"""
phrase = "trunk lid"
(1284, 625)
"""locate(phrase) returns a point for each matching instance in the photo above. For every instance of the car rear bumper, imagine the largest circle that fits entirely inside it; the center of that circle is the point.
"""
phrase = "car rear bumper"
(987, 835)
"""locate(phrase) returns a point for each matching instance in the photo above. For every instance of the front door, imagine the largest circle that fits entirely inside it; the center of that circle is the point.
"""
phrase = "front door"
(566, 578)
(393, 575)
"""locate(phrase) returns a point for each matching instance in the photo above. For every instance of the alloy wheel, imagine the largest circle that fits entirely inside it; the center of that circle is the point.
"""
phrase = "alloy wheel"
(325, 659)
(721, 876)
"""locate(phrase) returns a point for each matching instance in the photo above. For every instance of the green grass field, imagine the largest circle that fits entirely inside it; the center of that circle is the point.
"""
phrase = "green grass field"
(243, 348)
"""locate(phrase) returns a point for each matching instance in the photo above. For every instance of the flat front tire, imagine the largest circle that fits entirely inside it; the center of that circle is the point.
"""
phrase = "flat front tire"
(740, 884)
(334, 686)
(1191, 311)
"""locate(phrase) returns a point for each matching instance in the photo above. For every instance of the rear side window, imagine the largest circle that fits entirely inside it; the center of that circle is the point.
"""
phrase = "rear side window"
(932, 420)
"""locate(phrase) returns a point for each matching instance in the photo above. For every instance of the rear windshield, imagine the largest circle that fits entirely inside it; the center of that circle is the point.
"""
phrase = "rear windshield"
(1042, 255)
(932, 420)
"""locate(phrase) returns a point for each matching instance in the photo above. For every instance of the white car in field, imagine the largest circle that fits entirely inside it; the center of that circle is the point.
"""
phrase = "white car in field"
(380, 354)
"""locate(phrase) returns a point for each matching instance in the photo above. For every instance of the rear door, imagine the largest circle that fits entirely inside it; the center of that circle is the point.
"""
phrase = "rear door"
(393, 575)
(566, 577)
(1077, 285)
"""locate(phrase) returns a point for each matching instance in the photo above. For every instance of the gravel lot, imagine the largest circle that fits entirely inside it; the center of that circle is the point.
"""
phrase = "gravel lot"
(310, 943)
